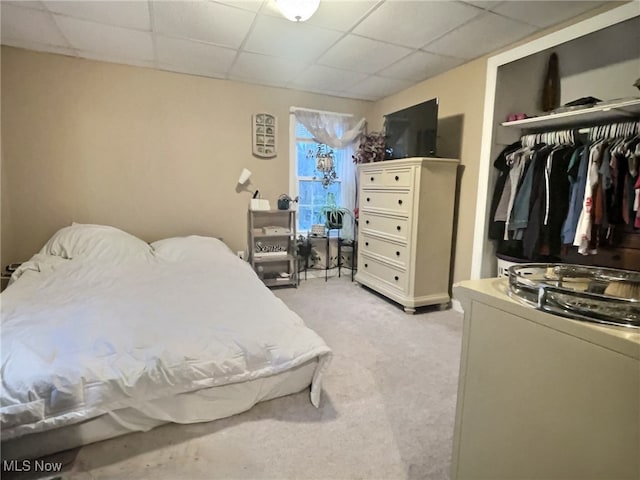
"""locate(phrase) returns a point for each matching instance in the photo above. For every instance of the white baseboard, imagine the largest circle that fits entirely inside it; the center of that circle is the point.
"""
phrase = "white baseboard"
(456, 305)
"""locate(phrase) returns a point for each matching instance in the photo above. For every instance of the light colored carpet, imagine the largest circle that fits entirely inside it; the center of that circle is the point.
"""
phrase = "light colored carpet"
(387, 408)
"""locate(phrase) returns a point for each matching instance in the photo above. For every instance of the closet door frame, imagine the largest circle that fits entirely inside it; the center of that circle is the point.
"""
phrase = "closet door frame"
(483, 261)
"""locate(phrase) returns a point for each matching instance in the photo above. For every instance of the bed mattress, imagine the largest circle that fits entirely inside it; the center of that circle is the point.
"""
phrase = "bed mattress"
(83, 338)
(200, 406)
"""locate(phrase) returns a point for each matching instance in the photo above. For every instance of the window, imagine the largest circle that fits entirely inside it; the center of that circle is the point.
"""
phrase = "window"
(339, 133)
(312, 194)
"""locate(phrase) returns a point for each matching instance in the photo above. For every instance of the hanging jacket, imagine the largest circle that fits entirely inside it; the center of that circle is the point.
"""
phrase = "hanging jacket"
(521, 205)
(557, 201)
(539, 201)
(496, 228)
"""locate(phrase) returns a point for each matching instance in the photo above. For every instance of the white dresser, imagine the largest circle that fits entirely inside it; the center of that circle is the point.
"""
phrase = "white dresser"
(405, 229)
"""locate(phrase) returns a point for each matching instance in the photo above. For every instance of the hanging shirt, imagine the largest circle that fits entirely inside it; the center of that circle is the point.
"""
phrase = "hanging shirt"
(577, 173)
(607, 187)
(636, 204)
(503, 205)
(585, 221)
(517, 161)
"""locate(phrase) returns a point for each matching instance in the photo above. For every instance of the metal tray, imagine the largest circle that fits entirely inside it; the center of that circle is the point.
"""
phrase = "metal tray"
(594, 294)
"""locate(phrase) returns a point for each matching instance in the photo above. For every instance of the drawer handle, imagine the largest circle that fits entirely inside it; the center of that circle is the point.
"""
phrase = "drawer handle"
(366, 265)
(366, 244)
(399, 202)
(372, 179)
(398, 227)
(398, 254)
(368, 199)
(367, 222)
(396, 278)
(397, 178)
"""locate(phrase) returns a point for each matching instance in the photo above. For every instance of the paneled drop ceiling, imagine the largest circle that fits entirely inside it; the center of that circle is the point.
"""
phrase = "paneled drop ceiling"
(363, 49)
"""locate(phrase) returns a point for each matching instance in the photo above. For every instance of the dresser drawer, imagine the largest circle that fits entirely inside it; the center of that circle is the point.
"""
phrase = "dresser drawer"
(392, 251)
(398, 177)
(394, 202)
(392, 227)
(372, 178)
(393, 277)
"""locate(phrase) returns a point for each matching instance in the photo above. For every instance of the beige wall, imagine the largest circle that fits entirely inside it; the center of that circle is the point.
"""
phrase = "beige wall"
(155, 153)
(461, 95)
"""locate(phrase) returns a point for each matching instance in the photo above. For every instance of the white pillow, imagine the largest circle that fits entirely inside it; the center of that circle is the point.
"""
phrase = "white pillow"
(193, 247)
(96, 241)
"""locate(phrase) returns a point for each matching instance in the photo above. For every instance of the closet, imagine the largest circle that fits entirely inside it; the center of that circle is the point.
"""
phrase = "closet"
(600, 58)
(570, 196)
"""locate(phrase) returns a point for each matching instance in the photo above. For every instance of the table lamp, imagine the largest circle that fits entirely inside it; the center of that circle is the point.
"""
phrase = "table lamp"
(256, 203)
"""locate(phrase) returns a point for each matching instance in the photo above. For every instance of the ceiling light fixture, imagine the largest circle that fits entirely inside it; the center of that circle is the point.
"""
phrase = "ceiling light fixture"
(298, 10)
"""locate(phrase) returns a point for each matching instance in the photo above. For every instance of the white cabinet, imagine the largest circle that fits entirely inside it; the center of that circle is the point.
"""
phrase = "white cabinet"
(541, 396)
(405, 229)
(272, 246)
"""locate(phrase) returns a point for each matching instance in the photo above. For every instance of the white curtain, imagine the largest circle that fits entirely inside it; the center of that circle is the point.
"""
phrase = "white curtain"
(332, 129)
(341, 132)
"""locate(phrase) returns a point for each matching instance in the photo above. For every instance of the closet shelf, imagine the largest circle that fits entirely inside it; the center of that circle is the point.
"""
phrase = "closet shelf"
(621, 111)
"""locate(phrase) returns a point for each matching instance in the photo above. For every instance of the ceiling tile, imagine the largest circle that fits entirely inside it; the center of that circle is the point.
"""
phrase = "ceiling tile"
(108, 58)
(116, 42)
(25, 4)
(414, 24)
(319, 78)
(377, 87)
(362, 54)
(206, 21)
(341, 15)
(486, 5)
(194, 57)
(25, 24)
(297, 41)
(256, 68)
(199, 71)
(251, 5)
(419, 66)
(336, 52)
(481, 35)
(123, 14)
(319, 91)
(537, 13)
(40, 47)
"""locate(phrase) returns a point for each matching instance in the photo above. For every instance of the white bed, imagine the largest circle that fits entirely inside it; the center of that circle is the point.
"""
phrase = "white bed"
(103, 334)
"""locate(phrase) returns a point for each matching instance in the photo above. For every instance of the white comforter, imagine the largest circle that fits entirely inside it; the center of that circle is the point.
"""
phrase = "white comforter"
(83, 337)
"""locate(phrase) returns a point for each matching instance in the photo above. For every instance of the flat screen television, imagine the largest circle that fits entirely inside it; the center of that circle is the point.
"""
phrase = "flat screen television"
(411, 132)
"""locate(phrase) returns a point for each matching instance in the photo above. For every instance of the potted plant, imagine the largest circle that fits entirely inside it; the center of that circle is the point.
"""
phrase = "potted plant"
(371, 148)
(333, 214)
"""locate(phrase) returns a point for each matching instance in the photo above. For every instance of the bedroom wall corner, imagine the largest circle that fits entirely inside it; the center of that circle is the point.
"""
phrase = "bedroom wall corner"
(154, 153)
(461, 95)
(461, 92)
